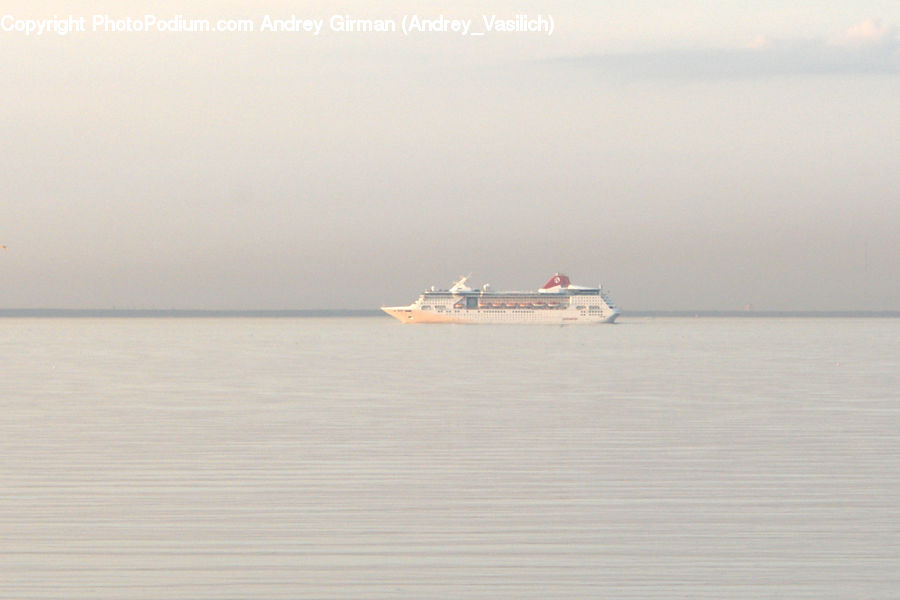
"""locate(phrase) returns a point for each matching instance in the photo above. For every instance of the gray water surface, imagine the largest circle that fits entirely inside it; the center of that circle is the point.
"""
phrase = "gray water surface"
(359, 458)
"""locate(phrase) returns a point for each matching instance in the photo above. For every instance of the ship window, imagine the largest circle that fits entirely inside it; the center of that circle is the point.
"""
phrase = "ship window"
(426, 307)
(472, 302)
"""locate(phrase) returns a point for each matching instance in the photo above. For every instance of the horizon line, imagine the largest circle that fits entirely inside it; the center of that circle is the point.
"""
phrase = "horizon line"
(368, 312)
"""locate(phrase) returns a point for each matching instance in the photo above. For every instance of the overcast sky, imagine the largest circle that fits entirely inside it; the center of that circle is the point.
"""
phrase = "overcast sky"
(687, 155)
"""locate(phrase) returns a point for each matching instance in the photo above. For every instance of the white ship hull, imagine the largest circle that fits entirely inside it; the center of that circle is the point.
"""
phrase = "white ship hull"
(410, 314)
(557, 303)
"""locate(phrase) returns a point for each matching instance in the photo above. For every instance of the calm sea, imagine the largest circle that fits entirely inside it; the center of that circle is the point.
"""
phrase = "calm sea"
(360, 458)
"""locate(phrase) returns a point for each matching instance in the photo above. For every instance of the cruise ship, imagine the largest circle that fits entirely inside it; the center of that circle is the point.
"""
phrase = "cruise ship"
(558, 302)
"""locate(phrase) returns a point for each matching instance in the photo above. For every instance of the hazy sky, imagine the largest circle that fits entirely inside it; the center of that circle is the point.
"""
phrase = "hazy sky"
(685, 154)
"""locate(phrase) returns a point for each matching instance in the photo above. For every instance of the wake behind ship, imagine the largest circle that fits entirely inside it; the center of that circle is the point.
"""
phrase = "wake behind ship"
(558, 302)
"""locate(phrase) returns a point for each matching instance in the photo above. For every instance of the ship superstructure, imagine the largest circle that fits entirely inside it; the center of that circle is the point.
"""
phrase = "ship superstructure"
(557, 302)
